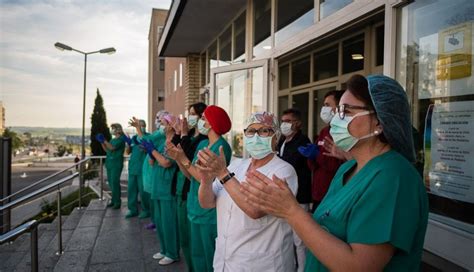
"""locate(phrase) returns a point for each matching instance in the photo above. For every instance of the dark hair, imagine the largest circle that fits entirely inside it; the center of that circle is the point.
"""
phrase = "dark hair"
(358, 86)
(336, 94)
(294, 111)
(199, 108)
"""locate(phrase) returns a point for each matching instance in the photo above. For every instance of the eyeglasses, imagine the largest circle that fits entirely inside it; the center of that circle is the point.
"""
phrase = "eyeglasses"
(262, 132)
(342, 109)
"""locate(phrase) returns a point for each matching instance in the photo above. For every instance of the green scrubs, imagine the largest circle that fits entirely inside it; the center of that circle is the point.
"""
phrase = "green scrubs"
(147, 170)
(165, 208)
(114, 165)
(184, 229)
(203, 221)
(135, 183)
(385, 202)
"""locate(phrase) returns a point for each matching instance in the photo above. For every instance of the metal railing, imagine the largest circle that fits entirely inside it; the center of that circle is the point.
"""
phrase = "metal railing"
(32, 227)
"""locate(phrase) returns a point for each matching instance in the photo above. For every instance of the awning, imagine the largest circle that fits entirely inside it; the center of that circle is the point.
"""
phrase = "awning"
(192, 24)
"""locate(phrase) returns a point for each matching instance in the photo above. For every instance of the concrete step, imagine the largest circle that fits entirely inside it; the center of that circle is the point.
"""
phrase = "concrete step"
(79, 248)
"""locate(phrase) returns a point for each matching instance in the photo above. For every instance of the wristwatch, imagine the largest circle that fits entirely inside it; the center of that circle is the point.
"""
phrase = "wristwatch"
(226, 178)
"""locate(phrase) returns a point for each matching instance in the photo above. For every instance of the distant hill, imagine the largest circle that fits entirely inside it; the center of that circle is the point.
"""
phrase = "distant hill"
(45, 131)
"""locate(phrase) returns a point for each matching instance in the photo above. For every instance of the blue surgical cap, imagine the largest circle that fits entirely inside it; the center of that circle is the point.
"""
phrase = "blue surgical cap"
(393, 112)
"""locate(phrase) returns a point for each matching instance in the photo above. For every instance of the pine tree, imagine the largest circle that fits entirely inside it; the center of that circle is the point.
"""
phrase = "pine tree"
(99, 125)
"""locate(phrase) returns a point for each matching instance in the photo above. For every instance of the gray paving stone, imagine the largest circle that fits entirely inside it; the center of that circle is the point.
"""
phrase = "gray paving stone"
(73, 219)
(9, 260)
(97, 205)
(83, 239)
(116, 246)
(73, 261)
(136, 266)
(152, 265)
(91, 219)
(116, 213)
(131, 225)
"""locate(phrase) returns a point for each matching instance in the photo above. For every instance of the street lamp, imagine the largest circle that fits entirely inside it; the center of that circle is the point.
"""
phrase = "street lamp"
(110, 50)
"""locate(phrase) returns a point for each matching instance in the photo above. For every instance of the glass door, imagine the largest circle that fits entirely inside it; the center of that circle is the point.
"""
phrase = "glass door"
(240, 89)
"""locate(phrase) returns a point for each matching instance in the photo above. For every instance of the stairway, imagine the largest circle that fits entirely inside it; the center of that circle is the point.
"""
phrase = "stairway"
(94, 239)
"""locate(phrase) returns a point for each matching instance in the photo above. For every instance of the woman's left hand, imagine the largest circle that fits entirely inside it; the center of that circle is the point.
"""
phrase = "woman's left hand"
(272, 196)
(212, 164)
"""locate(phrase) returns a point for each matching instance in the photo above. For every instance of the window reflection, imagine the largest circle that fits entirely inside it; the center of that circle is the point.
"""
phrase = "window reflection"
(239, 38)
(353, 54)
(284, 77)
(326, 63)
(300, 72)
(328, 7)
(261, 27)
(225, 47)
(292, 17)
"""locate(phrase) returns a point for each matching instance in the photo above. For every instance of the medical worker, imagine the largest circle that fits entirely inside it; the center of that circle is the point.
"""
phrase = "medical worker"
(114, 161)
(247, 238)
(164, 203)
(135, 182)
(375, 213)
(214, 123)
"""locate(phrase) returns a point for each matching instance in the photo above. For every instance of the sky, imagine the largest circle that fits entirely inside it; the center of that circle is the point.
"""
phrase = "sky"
(43, 86)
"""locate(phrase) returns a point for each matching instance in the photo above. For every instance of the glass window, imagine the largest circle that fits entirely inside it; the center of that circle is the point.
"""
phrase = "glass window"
(301, 102)
(240, 93)
(282, 104)
(326, 63)
(434, 64)
(353, 54)
(379, 41)
(292, 17)
(300, 72)
(239, 38)
(261, 26)
(328, 7)
(175, 80)
(212, 55)
(284, 77)
(225, 47)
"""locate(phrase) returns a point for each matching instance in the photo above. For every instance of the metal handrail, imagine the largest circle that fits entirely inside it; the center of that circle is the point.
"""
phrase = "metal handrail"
(40, 191)
(32, 227)
(44, 179)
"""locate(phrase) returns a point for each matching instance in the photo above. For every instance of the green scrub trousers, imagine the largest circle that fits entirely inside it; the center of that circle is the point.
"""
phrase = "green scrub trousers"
(184, 228)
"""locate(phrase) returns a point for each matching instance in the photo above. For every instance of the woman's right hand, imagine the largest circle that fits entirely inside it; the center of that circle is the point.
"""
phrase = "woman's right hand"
(134, 122)
(175, 152)
(333, 151)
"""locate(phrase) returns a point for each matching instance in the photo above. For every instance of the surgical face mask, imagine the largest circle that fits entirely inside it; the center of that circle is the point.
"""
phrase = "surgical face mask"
(160, 130)
(258, 147)
(157, 123)
(143, 129)
(326, 114)
(192, 120)
(285, 128)
(340, 133)
(203, 130)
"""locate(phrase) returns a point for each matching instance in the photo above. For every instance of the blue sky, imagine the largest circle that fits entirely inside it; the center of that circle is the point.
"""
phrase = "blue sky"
(42, 86)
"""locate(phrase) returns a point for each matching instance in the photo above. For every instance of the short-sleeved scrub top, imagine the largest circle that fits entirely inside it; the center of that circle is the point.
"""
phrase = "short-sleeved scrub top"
(385, 202)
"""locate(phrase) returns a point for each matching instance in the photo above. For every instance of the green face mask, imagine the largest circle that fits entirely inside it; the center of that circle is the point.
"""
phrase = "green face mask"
(202, 129)
(258, 147)
(340, 133)
(143, 130)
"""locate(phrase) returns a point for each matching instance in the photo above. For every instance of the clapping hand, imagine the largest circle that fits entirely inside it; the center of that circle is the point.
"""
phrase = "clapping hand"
(100, 138)
(149, 147)
(272, 196)
(184, 126)
(310, 151)
(210, 164)
(134, 122)
(333, 151)
(175, 152)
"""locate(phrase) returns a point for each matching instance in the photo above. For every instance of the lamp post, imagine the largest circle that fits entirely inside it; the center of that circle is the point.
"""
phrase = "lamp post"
(110, 50)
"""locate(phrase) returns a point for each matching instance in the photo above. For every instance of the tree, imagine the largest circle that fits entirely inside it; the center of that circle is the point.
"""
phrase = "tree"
(16, 141)
(99, 125)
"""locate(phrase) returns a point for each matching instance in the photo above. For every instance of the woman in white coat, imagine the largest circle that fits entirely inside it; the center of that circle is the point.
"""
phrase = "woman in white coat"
(247, 238)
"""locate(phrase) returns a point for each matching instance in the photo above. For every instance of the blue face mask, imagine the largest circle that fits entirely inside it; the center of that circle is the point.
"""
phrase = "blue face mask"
(203, 130)
(258, 147)
(340, 133)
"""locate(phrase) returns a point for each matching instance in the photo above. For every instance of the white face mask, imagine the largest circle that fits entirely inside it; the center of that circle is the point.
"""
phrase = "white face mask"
(201, 128)
(285, 128)
(326, 114)
(192, 120)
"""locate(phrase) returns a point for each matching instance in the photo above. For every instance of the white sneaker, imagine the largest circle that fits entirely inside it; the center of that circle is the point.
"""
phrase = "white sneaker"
(158, 256)
(166, 261)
